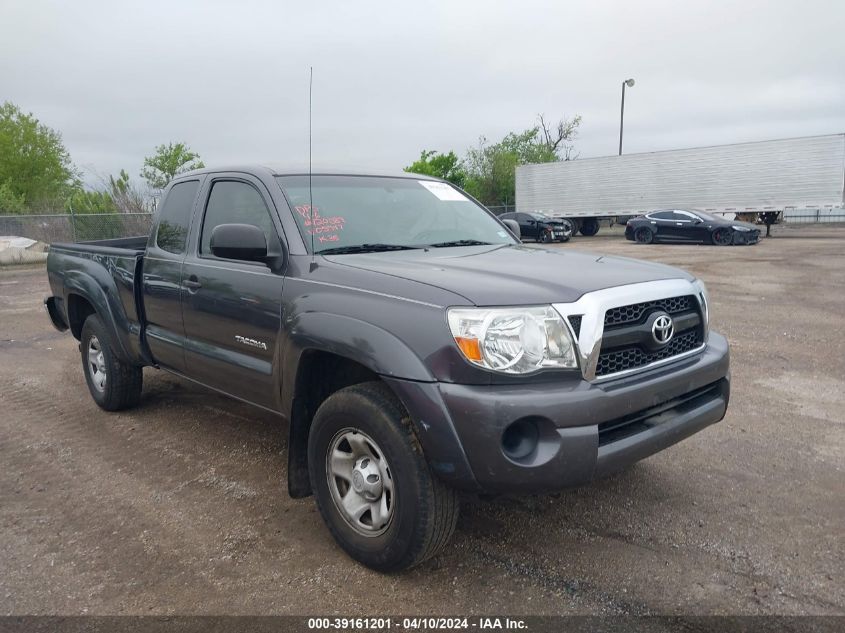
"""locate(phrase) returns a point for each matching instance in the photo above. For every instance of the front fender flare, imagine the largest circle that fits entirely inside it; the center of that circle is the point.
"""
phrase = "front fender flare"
(402, 370)
(373, 347)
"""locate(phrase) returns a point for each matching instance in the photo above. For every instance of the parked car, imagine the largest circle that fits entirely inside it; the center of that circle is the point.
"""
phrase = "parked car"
(684, 225)
(541, 227)
(414, 347)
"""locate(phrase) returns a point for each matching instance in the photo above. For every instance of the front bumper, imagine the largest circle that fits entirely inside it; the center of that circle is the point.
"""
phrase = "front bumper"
(584, 430)
(746, 237)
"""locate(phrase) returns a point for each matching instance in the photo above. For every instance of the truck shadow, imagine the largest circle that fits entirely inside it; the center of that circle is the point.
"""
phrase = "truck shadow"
(508, 532)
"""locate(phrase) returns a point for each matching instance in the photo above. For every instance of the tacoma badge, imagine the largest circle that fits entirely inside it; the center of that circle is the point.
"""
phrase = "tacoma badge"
(251, 342)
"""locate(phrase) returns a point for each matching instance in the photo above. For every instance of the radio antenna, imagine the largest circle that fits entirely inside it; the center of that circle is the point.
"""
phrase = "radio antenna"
(310, 190)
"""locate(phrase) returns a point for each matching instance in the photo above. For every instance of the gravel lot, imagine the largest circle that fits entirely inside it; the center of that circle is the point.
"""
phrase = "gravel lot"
(180, 506)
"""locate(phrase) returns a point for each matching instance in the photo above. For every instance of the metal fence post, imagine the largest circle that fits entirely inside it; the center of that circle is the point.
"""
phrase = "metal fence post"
(72, 221)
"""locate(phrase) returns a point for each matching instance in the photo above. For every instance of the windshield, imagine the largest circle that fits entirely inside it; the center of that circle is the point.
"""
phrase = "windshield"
(381, 212)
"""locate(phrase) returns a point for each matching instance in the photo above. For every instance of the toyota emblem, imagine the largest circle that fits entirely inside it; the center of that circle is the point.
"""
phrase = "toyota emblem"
(662, 329)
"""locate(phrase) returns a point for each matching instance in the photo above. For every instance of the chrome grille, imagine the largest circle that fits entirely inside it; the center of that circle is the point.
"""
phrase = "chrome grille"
(575, 322)
(634, 312)
(617, 359)
(629, 358)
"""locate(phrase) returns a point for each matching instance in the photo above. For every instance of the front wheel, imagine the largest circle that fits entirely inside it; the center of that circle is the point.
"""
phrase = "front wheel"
(371, 482)
(113, 384)
(643, 235)
(722, 237)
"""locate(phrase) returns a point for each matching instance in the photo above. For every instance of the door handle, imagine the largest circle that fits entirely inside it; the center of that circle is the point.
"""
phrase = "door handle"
(192, 283)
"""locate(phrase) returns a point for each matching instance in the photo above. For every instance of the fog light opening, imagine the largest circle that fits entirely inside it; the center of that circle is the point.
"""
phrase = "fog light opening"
(519, 441)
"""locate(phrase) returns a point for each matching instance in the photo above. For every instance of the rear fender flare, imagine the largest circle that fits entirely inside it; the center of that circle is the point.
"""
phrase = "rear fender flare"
(106, 304)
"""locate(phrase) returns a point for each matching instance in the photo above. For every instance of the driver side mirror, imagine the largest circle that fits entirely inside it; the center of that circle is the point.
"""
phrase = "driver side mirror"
(513, 227)
(697, 221)
(245, 242)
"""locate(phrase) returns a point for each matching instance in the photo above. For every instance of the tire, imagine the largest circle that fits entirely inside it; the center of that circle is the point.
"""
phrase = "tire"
(722, 237)
(114, 385)
(548, 238)
(414, 515)
(643, 235)
(589, 227)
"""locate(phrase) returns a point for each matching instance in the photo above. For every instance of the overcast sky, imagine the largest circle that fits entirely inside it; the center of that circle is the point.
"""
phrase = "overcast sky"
(231, 78)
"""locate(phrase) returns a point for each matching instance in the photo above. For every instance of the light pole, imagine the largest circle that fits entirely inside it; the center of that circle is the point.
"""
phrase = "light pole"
(630, 84)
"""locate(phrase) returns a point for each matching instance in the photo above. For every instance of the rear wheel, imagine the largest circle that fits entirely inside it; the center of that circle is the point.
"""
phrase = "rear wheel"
(722, 237)
(372, 484)
(589, 227)
(113, 384)
(643, 235)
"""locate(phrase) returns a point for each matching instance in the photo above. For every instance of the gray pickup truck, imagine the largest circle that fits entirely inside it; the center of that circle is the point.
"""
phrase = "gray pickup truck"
(415, 347)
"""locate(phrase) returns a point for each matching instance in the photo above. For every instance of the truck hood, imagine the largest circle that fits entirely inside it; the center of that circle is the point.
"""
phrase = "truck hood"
(511, 275)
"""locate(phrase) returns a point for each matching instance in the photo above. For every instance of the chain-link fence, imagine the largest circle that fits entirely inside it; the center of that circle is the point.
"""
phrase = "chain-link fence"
(506, 208)
(76, 227)
(789, 216)
(813, 216)
(80, 227)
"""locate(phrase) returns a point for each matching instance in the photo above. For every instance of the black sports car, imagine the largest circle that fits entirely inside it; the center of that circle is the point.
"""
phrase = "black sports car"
(683, 225)
(541, 227)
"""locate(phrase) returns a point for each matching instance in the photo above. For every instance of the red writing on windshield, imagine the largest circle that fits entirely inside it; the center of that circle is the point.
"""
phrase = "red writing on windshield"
(327, 227)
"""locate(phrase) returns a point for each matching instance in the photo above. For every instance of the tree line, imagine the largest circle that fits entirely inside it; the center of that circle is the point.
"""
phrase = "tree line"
(488, 171)
(37, 174)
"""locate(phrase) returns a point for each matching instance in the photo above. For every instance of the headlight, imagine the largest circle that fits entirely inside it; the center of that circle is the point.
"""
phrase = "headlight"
(705, 303)
(740, 228)
(513, 340)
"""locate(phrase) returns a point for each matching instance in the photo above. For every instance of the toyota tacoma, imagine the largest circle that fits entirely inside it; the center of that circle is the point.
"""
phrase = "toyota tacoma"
(416, 349)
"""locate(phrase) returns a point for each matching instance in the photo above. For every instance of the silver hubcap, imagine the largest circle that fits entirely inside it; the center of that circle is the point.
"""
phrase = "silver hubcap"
(360, 482)
(96, 364)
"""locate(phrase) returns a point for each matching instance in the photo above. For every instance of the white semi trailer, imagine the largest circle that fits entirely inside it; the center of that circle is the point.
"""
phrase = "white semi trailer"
(766, 177)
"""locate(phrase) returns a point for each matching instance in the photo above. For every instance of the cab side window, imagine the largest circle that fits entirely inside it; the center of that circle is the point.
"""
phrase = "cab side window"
(234, 202)
(175, 217)
(662, 215)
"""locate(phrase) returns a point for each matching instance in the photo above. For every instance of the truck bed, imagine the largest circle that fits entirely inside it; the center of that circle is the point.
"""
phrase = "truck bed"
(117, 246)
(105, 273)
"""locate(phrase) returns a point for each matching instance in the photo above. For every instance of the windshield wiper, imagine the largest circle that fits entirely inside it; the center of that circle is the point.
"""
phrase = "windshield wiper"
(365, 248)
(460, 243)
